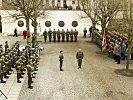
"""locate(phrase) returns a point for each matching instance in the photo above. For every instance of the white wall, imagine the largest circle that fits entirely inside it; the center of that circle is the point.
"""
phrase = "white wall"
(9, 23)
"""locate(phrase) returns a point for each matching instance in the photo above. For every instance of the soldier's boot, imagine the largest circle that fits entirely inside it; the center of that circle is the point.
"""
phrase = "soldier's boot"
(18, 77)
(5, 76)
(2, 81)
(8, 72)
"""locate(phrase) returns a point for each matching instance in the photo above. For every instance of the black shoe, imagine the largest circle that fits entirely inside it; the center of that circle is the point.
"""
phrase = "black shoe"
(18, 81)
(33, 76)
(3, 81)
(30, 87)
(79, 67)
(6, 77)
(61, 70)
(21, 77)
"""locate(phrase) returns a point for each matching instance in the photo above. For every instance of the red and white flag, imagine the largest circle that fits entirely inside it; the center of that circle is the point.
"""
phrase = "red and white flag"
(104, 42)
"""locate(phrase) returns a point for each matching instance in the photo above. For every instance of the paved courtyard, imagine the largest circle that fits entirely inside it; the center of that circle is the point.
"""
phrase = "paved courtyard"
(97, 80)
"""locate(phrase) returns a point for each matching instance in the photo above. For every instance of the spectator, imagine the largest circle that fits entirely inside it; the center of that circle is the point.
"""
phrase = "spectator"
(24, 34)
(85, 31)
(15, 32)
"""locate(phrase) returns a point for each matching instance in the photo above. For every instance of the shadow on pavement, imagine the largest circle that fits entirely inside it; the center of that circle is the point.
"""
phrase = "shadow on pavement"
(123, 72)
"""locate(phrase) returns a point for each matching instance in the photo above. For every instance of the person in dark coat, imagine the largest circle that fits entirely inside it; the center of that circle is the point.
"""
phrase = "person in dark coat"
(123, 50)
(29, 73)
(75, 35)
(90, 29)
(61, 57)
(58, 35)
(85, 32)
(33, 40)
(118, 53)
(54, 35)
(50, 35)
(15, 32)
(63, 35)
(79, 56)
(6, 46)
(71, 35)
(132, 52)
(67, 35)
(45, 35)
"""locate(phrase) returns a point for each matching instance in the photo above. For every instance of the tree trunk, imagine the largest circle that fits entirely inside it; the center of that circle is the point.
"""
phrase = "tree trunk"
(93, 28)
(35, 28)
(28, 30)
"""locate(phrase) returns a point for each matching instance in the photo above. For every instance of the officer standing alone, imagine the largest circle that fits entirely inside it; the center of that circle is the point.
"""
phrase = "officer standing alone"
(79, 56)
(61, 57)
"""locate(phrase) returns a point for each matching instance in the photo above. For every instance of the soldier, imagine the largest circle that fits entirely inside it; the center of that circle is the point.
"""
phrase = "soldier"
(5, 68)
(132, 52)
(29, 73)
(79, 57)
(61, 57)
(75, 35)
(50, 35)
(85, 31)
(1, 72)
(54, 35)
(123, 50)
(67, 35)
(45, 35)
(118, 53)
(33, 40)
(6, 46)
(18, 69)
(58, 35)
(71, 35)
(63, 35)
(1, 50)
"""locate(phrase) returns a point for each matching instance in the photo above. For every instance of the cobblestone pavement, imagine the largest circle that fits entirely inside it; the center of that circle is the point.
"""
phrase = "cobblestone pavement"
(96, 80)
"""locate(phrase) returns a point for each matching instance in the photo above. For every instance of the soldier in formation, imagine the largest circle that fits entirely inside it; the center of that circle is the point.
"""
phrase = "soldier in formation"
(54, 35)
(45, 35)
(50, 35)
(61, 35)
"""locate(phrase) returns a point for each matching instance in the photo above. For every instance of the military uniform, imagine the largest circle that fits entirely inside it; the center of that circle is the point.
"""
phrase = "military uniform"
(54, 35)
(79, 57)
(45, 35)
(33, 41)
(67, 36)
(71, 35)
(6, 46)
(63, 35)
(1, 72)
(18, 69)
(61, 57)
(29, 72)
(75, 35)
(58, 35)
(50, 35)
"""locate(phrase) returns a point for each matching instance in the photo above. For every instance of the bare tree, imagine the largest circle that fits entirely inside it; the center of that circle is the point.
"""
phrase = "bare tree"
(101, 11)
(30, 10)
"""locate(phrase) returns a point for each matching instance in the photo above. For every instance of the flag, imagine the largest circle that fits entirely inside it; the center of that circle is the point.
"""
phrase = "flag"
(104, 42)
